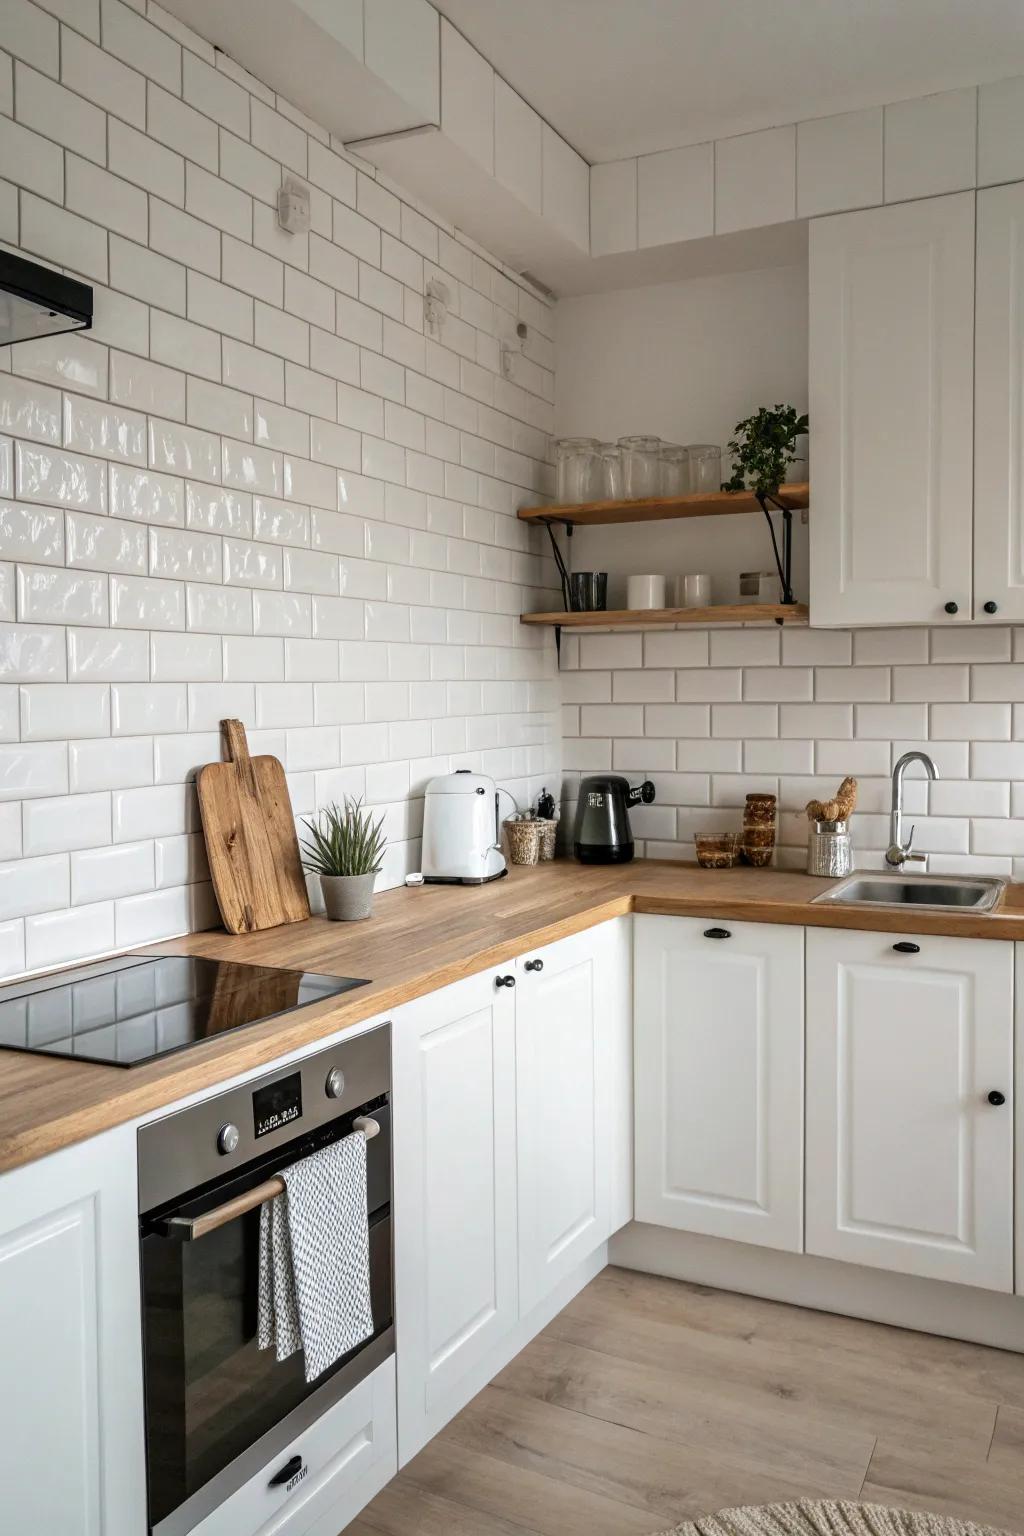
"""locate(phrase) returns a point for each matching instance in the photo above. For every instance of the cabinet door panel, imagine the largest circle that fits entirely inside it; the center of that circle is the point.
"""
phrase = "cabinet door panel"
(455, 1202)
(72, 1458)
(999, 405)
(891, 379)
(909, 1166)
(564, 1030)
(719, 1079)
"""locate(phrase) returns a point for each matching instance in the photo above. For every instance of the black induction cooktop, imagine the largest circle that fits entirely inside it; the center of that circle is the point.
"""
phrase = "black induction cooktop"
(135, 1008)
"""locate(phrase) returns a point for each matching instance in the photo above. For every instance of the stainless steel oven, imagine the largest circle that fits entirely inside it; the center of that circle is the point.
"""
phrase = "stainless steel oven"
(218, 1409)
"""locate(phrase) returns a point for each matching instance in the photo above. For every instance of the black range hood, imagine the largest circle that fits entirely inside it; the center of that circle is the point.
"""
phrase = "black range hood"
(36, 301)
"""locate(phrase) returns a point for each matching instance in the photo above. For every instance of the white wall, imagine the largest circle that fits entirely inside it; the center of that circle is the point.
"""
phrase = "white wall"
(712, 715)
(256, 488)
(685, 361)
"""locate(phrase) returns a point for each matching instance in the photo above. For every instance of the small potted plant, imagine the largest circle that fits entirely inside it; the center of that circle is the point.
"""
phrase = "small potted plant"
(345, 847)
(763, 449)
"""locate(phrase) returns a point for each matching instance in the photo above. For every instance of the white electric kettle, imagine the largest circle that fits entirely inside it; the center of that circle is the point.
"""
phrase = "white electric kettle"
(462, 829)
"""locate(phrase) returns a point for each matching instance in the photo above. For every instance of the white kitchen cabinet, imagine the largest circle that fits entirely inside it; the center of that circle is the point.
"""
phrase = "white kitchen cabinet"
(72, 1458)
(930, 145)
(572, 1071)
(719, 1043)
(999, 407)
(613, 207)
(566, 188)
(453, 1088)
(517, 146)
(891, 406)
(909, 1165)
(467, 97)
(675, 195)
(755, 179)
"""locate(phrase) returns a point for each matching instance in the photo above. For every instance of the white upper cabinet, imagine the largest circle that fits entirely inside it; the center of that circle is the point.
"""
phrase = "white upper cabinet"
(839, 162)
(467, 97)
(719, 1043)
(566, 188)
(909, 1165)
(613, 207)
(675, 195)
(930, 145)
(755, 179)
(1001, 132)
(401, 45)
(891, 406)
(999, 407)
(517, 146)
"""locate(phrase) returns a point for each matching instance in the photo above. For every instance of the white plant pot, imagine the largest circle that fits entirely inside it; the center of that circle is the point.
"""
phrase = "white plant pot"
(348, 898)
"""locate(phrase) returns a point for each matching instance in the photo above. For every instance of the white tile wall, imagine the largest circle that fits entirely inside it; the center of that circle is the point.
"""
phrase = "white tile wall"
(248, 395)
(791, 714)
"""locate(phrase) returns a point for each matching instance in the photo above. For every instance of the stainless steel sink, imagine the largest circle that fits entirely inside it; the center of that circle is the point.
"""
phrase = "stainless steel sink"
(927, 893)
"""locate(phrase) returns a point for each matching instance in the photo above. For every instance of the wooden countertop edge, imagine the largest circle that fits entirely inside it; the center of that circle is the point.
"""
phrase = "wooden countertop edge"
(52, 1120)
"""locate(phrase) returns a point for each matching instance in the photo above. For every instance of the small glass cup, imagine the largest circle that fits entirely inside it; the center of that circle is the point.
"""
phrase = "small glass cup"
(717, 850)
(579, 465)
(675, 469)
(705, 467)
(611, 472)
(641, 467)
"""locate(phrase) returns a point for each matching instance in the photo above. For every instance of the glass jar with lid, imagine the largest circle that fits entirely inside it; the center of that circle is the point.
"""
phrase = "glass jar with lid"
(641, 467)
(579, 469)
(611, 472)
(705, 467)
(675, 470)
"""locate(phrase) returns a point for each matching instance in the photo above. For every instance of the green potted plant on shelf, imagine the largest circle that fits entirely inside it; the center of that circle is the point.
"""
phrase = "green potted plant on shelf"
(763, 449)
(345, 847)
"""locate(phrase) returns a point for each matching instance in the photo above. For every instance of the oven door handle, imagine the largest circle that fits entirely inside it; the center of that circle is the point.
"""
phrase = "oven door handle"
(186, 1229)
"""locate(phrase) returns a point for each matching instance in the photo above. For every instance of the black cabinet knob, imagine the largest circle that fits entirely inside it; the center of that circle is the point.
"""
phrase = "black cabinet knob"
(504, 981)
(285, 1474)
(717, 933)
(997, 1098)
(952, 607)
(534, 965)
(990, 607)
(904, 947)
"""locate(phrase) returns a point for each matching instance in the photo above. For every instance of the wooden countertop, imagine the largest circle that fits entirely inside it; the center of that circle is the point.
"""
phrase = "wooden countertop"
(420, 939)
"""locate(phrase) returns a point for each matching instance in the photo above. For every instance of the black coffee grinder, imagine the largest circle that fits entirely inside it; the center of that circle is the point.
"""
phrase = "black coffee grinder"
(602, 834)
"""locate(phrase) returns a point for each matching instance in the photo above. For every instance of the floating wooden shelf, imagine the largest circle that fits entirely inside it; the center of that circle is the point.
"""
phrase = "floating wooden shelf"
(631, 618)
(712, 504)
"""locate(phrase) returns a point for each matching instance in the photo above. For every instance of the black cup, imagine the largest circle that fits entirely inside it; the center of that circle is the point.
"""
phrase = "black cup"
(588, 591)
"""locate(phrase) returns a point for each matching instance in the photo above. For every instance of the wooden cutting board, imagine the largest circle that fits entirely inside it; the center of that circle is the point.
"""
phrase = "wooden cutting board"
(250, 838)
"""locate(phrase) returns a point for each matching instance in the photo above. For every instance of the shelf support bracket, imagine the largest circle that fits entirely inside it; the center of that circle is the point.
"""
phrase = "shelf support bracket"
(783, 559)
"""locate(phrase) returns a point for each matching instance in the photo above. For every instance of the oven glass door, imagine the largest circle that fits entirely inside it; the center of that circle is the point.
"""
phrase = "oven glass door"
(210, 1391)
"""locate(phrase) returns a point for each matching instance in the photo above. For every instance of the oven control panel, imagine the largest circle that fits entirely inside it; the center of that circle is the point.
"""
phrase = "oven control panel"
(277, 1104)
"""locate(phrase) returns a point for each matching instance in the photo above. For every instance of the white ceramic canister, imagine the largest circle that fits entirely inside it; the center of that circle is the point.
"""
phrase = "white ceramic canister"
(645, 592)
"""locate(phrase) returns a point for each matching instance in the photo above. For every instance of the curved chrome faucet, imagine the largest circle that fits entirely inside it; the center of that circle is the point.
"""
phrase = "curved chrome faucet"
(898, 853)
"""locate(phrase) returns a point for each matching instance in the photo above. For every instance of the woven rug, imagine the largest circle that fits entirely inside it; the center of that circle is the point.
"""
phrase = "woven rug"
(812, 1517)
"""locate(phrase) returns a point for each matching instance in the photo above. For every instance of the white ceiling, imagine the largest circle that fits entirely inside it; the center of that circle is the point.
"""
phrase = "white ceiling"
(623, 77)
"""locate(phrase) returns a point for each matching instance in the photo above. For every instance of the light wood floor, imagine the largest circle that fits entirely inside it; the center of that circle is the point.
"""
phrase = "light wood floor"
(648, 1401)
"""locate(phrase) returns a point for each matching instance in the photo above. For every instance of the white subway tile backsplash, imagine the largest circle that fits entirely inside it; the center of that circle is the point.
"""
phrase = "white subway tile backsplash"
(253, 420)
(55, 711)
(61, 597)
(47, 474)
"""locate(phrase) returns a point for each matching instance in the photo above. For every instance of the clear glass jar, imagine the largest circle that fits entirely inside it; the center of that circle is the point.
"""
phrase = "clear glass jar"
(579, 469)
(705, 467)
(611, 472)
(675, 470)
(641, 467)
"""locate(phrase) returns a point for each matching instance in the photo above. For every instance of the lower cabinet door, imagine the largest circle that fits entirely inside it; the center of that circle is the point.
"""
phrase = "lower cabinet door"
(909, 1163)
(453, 1085)
(719, 1043)
(566, 1026)
(72, 1458)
